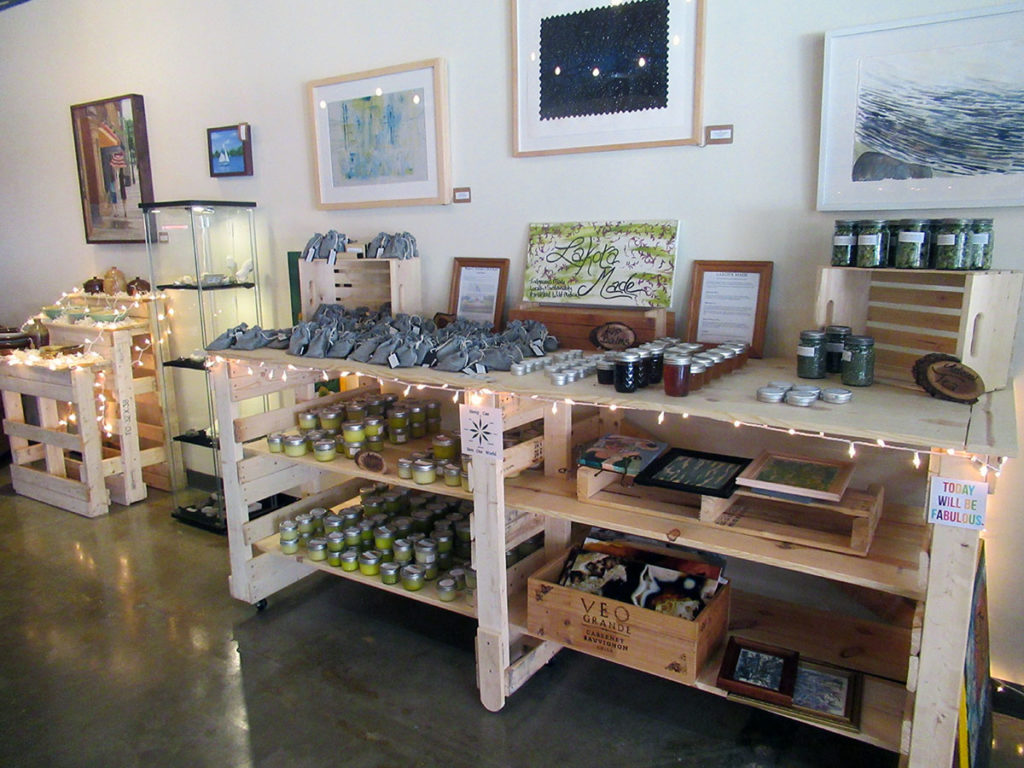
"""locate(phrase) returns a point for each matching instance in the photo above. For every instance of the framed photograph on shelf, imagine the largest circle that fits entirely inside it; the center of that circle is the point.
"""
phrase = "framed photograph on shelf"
(784, 475)
(708, 474)
(229, 150)
(759, 671)
(924, 113)
(827, 693)
(729, 302)
(380, 138)
(590, 76)
(112, 151)
(478, 290)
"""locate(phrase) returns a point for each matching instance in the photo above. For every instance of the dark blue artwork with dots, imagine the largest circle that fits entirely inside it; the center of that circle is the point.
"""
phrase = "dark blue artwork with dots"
(604, 60)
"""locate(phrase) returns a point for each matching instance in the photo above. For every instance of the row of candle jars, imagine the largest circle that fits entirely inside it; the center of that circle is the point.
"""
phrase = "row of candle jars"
(681, 367)
(385, 415)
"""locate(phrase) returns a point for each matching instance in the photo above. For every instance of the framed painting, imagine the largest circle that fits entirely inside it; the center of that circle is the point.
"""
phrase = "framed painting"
(729, 302)
(924, 113)
(380, 138)
(112, 152)
(759, 671)
(708, 474)
(478, 290)
(613, 263)
(782, 474)
(229, 150)
(590, 76)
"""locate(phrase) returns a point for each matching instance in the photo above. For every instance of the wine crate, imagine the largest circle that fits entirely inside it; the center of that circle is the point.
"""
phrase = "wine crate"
(360, 283)
(911, 313)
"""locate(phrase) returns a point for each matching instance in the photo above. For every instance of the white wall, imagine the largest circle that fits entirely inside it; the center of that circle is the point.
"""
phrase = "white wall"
(203, 63)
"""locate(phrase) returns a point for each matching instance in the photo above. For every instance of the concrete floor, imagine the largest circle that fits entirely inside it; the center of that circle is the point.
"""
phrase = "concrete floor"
(120, 646)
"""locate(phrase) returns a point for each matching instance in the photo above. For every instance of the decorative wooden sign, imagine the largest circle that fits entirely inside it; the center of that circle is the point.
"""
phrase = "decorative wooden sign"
(616, 263)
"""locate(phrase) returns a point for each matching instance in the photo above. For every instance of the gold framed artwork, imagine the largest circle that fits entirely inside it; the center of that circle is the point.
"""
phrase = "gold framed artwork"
(380, 138)
(729, 302)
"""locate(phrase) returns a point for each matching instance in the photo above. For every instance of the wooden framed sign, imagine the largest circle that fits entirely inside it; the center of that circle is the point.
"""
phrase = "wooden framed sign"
(729, 302)
(798, 476)
(478, 290)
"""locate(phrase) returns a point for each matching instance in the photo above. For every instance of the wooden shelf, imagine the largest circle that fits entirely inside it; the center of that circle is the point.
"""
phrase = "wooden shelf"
(426, 595)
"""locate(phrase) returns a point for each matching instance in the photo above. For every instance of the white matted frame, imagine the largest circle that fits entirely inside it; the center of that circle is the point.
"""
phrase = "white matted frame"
(924, 113)
(609, 124)
(357, 166)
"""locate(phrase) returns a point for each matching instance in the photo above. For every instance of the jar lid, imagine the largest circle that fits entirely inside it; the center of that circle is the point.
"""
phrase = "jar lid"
(446, 585)
(412, 572)
(443, 439)
(629, 356)
(416, 408)
(303, 517)
(401, 545)
(836, 395)
(803, 399)
(807, 389)
(605, 364)
(812, 334)
(308, 415)
(423, 465)
(276, 437)
(398, 411)
(332, 410)
(335, 536)
(373, 421)
(770, 394)
(324, 445)
(452, 469)
(725, 352)
(316, 545)
(369, 557)
(838, 330)
(677, 358)
(697, 366)
(559, 379)
(318, 512)
(294, 440)
(404, 461)
(391, 568)
(786, 385)
(352, 426)
(426, 544)
(384, 530)
(288, 525)
(350, 555)
(860, 341)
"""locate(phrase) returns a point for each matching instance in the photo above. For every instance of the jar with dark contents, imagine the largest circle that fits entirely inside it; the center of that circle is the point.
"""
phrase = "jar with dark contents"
(979, 244)
(835, 343)
(859, 361)
(950, 249)
(873, 243)
(810, 355)
(626, 365)
(676, 377)
(606, 371)
(657, 362)
(643, 370)
(844, 243)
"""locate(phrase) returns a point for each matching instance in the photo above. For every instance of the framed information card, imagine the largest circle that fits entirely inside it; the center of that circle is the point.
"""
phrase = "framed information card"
(729, 302)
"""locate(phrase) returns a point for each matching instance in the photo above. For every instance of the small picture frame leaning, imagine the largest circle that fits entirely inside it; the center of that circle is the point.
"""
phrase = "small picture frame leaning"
(478, 290)
(229, 150)
(759, 671)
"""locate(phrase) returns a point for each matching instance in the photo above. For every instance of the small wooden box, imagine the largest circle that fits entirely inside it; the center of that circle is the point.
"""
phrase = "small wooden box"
(361, 283)
(662, 645)
(572, 325)
(911, 313)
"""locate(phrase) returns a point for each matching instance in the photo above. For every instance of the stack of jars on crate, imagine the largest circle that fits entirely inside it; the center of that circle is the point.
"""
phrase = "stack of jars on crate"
(681, 367)
(913, 243)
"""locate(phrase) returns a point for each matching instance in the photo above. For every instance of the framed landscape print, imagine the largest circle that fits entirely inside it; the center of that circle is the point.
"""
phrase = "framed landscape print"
(924, 113)
(229, 150)
(708, 474)
(591, 76)
(781, 474)
(112, 151)
(380, 138)
(759, 671)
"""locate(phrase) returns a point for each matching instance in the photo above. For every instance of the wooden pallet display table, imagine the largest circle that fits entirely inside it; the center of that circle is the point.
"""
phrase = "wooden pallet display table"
(912, 670)
(133, 412)
(42, 468)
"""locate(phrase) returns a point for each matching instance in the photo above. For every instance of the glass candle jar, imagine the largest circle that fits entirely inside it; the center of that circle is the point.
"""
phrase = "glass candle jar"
(304, 522)
(352, 515)
(275, 443)
(627, 364)
(389, 572)
(698, 374)
(288, 530)
(353, 432)
(913, 244)
(446, 589)
(375, 443)
(425, 551)
(445, 541)
(369, 563)
(412, 577)
(355, 410)
(417, 429)
(844, 243)
(402, 549)
(859, 361)
(444, 447)
(835, 342)
(398, 418)
(433, 425)
(422, 520)
(335, 541)
(318, 514)
(374, 425)
(366, 527)
(404, 468)
(384, 537)
(402, 525)
(295, 445)
(374, 405)
(459, 576)
(352, 449)
(810, 355)
(451, 474)
(324, 450)
(392, 503)
(676, 376)
(424, 471)
(289, 546)
(331, 416)
(979, 244)
(398, 435)
(417, 414)
(950, 249)
(465, 482)
(316, 549)
(605, 371)
(463, 530)
(470, 577)
(643, 370)
(308, 420)
(350, 560)
(373, 505)
(656, 364)
(872, 243)
(334, 558)
(333, 522)
(353, 538)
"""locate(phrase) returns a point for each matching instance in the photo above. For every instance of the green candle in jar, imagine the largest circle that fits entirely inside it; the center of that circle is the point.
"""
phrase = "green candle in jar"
(444, 447)
(424, 471)
(452, 475)
(275, 443)
(389, 572)
(369, 563)
(374, 425)
(308, 420)
(330, 417)
(398, 418)
(295, 445)
(412, 577)
(324, 450)
(316, 550)
(350, 560)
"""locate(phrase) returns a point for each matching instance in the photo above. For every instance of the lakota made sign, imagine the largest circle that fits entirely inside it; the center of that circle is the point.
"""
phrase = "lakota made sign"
(616, 263)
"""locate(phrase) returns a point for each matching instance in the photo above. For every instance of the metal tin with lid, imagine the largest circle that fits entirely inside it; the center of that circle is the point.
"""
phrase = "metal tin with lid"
(803, 399)
(836, 395)
(770, 394)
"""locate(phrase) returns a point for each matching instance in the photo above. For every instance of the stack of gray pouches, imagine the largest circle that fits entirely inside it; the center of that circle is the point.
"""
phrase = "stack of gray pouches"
(244, 337)
(325, 247)
(400, 245)
(404, 341)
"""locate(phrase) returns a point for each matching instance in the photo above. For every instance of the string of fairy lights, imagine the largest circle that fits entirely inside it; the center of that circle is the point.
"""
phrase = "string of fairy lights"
(475, 396)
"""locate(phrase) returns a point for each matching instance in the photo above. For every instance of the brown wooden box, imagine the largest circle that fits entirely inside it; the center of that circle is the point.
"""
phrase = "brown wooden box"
(911, 313)
(662, 645)
(572, 325)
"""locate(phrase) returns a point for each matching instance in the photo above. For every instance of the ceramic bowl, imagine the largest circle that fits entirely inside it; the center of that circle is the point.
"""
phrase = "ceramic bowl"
(103, 315)
(53, 311)
(75, 314)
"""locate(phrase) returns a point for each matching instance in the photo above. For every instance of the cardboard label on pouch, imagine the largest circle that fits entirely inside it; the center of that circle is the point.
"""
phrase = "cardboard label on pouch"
(957, 502)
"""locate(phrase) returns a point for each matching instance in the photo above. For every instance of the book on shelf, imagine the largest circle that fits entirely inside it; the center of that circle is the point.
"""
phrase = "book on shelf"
(622, 454)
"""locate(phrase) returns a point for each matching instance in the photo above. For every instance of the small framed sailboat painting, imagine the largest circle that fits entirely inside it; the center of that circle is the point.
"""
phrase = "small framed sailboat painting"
(229, 150)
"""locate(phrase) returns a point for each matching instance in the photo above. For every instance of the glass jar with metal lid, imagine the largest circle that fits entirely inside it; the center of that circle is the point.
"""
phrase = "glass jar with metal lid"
(389, 572)
(979, 244)
(424, 471)
(324, 450)
(412, 577)
(859, 361)
(404, 467)
(444, 447)
(627, 364)
(398, 418)
(369, 562)
(950, 249)
(451, 474)
(355, 410)
(353, 538)
(374, 425)
(333, 522)
(335, 541)
(835, 338)
(728, 358)
(352, 449)
(398, 435)
(403, 550)
(676, 376)
(304, 522)
(295, 445)
(331, 417)
(643, 370)
(275, 443)
(656, 364)
(913, 244)
(709, 364)
(288, 529)
(810, 355)
(873, 243)
(308, 420)
(383, 537)
(316, 549)
(353, 432)
(350, 559)
(844, 243)
(417, 413)
(606, 371)
(698, 375)
(446, 589)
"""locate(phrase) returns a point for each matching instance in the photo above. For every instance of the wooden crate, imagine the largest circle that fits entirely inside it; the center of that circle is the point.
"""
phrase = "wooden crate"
(361, 283)
(653, 642)
(911, 313)
(573, 325)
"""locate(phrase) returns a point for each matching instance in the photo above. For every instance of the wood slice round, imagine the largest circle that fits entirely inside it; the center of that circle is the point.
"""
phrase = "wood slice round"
(615, 336)
(923, 362)
(371, 461)
(953, 381)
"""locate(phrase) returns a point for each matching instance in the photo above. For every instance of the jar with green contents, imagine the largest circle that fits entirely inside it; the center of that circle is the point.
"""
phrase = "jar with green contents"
(425, 551)
(352, 449)
(374, 406)
(316, 550)
(355, 410)
(835, 343)
(418, 429)
(424, 471)
(369, 562)
(389, 572)
(417, 414)
(422, 520)
(446, 589)
(465, 482)
(913, 244)
(872, 243)
(384, 537)
(275, 443)
(374, 425)
(331, 416)
(402, 549)
(979, 244)
(433, 408)
(391, 503)
(463, 530)
(289, 546)
(373, 504)
(288, 530)
(333, 522)
(403, 525)
(412, 577)
(375, 443)
(950, 249)
(318, 514)
(445, 541)
(334, 558)
(295, 445)
(335, 541)
(444, 447)
(452, 473)
(404, 468)
(433, 426)
(398, 435)
(352, 515)
(844, 243)
(459, 575)
(859, 361)
(350, 560)
(353, 537)
(353, 431)
(324, 450)
(810, 355)
(398, 418)
(366, 533)
(308, 420)
(305, 523)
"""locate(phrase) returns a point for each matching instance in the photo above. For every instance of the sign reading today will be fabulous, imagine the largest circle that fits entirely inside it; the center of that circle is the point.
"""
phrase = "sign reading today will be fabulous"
(957, 502)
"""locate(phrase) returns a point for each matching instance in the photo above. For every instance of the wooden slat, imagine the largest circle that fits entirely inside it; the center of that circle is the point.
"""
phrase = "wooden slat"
(57, 437)
(915, 319)
(267, 485)
(916, 297)
(923, 277)
(267, 525)
(524, 455)
(923, 343)
(31, 385)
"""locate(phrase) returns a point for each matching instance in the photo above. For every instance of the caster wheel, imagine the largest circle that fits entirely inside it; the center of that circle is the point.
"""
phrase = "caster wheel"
(260, 605)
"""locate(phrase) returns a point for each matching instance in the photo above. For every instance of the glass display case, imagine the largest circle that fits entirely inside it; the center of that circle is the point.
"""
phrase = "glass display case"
(202, 258)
